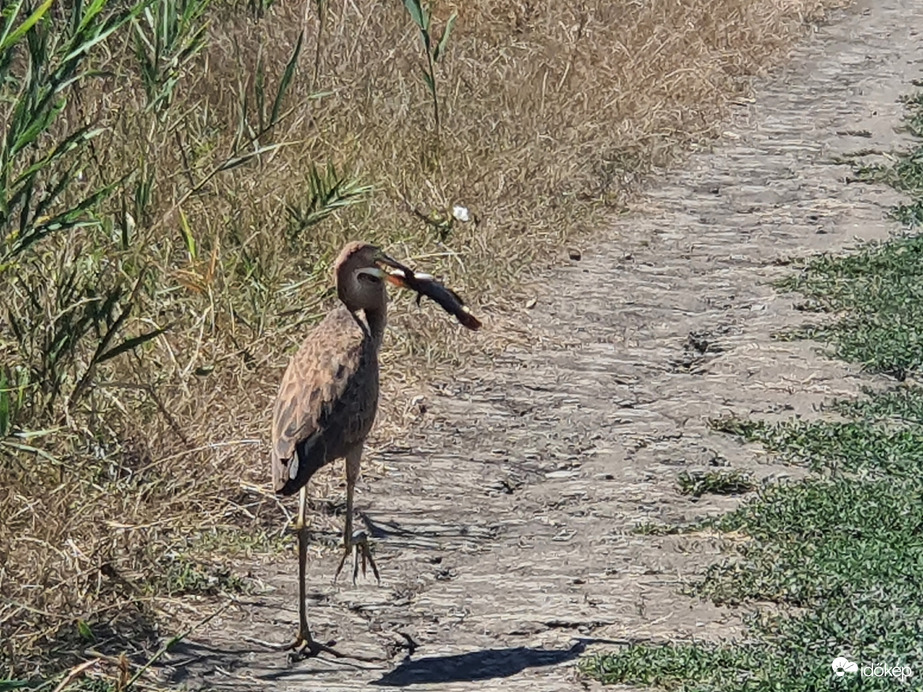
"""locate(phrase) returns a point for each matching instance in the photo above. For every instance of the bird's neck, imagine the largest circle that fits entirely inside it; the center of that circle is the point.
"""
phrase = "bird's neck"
(376, 318)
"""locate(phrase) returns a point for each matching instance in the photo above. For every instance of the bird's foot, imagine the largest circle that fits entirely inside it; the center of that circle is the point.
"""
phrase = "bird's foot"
(305, 646)
(359, 546)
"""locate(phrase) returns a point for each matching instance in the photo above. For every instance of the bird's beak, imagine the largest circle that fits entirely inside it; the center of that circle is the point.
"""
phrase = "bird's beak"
(396, 278)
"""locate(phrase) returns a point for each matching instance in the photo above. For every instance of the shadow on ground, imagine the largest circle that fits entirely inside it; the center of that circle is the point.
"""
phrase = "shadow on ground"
(488, 664)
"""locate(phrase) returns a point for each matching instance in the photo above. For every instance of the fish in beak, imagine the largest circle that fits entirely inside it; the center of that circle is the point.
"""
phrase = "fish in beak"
(426, 285)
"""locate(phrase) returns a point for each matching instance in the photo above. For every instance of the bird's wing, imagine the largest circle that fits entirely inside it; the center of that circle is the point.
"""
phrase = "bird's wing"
(317, 376)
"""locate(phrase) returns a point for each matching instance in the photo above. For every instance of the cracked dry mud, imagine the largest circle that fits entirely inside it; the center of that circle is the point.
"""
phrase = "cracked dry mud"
(504, 521)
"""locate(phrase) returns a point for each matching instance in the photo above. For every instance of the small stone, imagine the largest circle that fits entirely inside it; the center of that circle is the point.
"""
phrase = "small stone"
(558, 475)
(574, 254)
(531, 303)
(461, 213)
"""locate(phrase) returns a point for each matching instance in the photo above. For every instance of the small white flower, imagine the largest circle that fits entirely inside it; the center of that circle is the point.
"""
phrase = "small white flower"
(460, 213)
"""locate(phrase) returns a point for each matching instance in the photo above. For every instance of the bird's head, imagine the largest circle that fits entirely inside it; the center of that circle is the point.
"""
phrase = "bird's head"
(360, 281)
(359, 278)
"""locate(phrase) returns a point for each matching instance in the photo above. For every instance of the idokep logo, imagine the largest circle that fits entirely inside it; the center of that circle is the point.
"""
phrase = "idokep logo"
(842, 666)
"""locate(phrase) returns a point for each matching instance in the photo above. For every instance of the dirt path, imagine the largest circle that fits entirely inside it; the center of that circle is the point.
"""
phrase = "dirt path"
(505, 522)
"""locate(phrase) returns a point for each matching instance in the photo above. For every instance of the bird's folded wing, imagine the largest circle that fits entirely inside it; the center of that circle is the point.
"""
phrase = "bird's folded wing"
(316, 378)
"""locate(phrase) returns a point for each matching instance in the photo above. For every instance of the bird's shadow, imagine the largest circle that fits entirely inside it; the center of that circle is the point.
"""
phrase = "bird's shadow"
(197, 661)
(487, 664)
(410, 532)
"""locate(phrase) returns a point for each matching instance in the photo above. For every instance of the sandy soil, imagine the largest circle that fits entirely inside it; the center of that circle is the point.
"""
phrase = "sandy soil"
(504, 520)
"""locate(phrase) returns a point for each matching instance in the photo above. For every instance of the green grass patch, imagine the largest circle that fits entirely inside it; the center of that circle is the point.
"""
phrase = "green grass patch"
(856, 446)
(832, 543)
(898, 405)
(698, 483)
(656, 528)
(833, 565)
(877, 295)
(182, 576)
(877, 292)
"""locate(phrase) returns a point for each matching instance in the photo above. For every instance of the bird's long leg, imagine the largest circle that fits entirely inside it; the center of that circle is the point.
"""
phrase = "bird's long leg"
(304, 633)
(305, 644)
(360, 539)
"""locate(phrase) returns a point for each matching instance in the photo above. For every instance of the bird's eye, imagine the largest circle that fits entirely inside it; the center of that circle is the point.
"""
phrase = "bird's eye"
(371, 278)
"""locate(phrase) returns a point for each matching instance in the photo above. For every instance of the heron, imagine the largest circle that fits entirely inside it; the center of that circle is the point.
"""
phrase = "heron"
(328, 398)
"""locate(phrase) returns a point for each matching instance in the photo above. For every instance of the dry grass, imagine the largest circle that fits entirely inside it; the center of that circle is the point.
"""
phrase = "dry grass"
(552, 113)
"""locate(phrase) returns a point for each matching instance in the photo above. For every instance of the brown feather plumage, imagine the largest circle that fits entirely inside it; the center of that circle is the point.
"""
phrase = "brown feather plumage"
(327, 400)
(328, 396)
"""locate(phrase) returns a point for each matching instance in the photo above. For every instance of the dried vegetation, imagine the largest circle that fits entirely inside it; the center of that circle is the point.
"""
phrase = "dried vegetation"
(175, 177)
